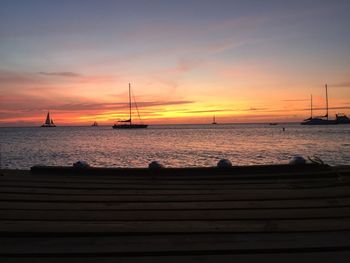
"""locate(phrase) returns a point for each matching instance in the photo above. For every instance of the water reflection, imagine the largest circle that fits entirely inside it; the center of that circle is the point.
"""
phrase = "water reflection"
(175, 146)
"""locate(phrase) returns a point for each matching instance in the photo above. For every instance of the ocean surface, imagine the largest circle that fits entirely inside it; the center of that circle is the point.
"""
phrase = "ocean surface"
(173, 145)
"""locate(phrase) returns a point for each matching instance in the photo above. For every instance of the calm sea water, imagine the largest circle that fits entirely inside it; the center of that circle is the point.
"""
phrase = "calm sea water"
(173, 146)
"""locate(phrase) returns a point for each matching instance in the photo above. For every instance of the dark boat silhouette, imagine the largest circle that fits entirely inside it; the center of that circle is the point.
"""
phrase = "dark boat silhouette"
(341, 118)
(95, 124)
(214, 121)
(127, 124)
(49, 121)
(321, 120)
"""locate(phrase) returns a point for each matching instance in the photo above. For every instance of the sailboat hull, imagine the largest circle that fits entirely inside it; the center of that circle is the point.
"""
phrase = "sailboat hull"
(129, 126)
(317, 121)
(48, 122)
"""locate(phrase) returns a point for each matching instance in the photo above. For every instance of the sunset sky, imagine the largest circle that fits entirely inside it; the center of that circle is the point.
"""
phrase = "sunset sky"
(244, 61)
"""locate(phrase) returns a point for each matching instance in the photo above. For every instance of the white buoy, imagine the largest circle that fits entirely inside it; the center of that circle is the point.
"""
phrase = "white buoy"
(81, 164)
(224, 163)
(297, 159)
(155, 165)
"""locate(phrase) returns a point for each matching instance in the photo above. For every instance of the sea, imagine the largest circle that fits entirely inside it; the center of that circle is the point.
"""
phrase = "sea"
(173, 145)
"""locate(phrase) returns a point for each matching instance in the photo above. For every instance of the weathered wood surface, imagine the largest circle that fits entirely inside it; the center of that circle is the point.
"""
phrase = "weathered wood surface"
(252, 215)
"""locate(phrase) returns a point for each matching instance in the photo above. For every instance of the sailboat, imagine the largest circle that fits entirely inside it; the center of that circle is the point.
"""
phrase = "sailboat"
(49, 121)
(127, 124)
(214, 121)
(322, 120)
(95, 124)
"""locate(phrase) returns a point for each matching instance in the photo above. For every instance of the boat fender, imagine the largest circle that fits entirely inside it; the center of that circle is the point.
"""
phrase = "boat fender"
(81, 164)
(297, 159)
(224, 163)
(155, 165)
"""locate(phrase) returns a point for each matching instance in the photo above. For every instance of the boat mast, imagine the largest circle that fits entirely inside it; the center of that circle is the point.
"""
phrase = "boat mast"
(327, 101)
(130, 103)
(311, 106)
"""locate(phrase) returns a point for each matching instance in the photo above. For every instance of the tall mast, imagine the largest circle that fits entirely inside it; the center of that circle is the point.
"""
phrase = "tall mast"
(130, 103)
(311, 106)
(327, 101)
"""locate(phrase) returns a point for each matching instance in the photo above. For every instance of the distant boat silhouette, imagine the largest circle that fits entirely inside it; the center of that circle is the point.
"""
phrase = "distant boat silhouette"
(341, 118)
(49, 121)
(214, 121)
(127, 124)
(273, 123)
(95, 124)
(321, 120)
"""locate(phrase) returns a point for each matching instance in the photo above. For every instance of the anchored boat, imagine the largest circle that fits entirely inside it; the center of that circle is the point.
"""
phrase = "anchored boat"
(127, 124)
(214, 121)
(321, 120)
(341, 118)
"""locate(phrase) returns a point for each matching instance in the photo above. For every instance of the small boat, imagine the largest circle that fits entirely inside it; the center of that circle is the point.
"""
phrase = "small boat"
(273, 123)
(341, 118)
(214, 121)
(95, 124)
(127, 124)
(49, 121)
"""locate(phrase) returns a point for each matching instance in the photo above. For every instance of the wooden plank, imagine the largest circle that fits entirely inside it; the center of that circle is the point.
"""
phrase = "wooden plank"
(191, 173)
(108, 198)
(234, 226)
(156, 186)
(161, 180)
(236, 243)
(180, 215)
(24, 175)
(291, 257)
(239, 193)
(185, 205)
(275, 168)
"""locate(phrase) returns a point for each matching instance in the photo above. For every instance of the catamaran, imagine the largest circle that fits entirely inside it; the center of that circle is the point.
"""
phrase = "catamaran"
(127, 124)
(322, 120)
(49, 121)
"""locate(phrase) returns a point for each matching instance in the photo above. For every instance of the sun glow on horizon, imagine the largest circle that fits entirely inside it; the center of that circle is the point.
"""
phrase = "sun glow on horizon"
(256, 62)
